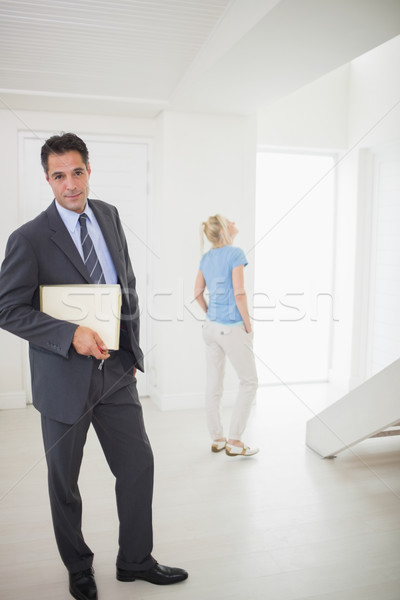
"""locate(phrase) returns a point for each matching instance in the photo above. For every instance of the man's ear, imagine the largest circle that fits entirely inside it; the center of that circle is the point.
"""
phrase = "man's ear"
(89, 170)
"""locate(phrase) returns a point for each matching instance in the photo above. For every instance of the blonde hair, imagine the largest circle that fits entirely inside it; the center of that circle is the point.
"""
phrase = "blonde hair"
(216, 230)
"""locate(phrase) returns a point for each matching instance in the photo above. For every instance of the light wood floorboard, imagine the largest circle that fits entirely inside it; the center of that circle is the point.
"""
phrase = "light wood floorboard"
(283, 525)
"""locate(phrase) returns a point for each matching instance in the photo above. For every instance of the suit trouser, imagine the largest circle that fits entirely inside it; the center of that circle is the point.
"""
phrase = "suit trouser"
(233, 342)
(118, 422)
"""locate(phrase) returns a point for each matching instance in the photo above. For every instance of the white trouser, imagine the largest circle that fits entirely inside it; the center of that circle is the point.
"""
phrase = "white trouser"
(237, 345)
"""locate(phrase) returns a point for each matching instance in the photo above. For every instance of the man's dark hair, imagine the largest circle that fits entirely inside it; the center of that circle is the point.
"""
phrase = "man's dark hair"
(60, 144)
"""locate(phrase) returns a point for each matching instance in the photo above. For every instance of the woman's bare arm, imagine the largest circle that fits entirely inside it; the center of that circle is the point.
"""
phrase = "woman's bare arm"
(240, 295)
(199, 288)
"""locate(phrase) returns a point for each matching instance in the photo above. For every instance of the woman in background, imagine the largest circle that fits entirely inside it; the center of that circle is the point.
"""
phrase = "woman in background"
(226, 332)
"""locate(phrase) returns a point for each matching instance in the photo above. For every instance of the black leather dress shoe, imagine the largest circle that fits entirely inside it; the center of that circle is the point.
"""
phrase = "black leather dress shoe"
(82, 585)
(158, 574)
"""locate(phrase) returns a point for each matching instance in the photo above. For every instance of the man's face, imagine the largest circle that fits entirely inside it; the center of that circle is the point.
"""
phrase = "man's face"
(69, 179)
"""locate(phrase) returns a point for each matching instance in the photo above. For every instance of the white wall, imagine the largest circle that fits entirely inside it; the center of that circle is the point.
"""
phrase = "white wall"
(12, 386)
(373, 122)
(313, 117)
(374, 128)
(374, 100)
(207, 166)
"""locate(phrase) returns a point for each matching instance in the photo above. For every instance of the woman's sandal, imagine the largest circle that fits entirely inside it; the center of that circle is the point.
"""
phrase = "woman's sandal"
(218, 445)
(240, 450)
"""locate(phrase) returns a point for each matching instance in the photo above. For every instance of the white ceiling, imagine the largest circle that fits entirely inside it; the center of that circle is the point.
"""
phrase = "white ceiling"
(138, 57)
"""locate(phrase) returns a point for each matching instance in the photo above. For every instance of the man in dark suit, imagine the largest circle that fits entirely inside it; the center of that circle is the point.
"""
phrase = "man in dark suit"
(75, 380)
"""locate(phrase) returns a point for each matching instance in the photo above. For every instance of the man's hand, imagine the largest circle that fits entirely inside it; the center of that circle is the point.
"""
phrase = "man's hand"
(87, 342)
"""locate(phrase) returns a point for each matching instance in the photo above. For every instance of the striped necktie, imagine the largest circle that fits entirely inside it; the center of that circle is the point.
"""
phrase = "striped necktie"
(90, 257)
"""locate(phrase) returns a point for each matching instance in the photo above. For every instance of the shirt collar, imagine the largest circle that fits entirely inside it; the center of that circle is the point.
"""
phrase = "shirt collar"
(70, 218)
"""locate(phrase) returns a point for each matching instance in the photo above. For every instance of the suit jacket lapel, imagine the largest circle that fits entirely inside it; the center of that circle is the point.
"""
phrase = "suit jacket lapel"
(63, 240)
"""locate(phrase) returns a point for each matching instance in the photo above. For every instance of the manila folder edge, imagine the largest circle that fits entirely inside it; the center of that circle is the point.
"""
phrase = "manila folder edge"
(97, 306)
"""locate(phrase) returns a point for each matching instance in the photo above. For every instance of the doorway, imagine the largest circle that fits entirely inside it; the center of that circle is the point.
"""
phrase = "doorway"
(293, 303)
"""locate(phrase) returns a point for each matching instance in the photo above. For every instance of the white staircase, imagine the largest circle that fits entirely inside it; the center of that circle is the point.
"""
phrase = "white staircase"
(370, 410)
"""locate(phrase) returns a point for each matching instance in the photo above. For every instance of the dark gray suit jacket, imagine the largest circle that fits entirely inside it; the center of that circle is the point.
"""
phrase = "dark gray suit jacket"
(42, 252)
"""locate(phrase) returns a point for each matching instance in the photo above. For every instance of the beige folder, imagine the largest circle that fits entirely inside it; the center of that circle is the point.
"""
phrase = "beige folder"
(97, 306)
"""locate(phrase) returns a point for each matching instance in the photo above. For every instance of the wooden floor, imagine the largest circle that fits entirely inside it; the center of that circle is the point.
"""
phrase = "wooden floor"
(283, 525)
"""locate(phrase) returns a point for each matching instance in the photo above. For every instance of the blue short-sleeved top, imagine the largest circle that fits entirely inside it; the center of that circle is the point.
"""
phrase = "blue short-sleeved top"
(217, 265)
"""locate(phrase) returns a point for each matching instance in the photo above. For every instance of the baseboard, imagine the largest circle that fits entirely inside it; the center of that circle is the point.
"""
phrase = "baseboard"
(186, 401)
(13, 400)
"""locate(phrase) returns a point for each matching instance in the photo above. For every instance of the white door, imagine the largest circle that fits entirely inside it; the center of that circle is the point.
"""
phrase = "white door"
(120, 176)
